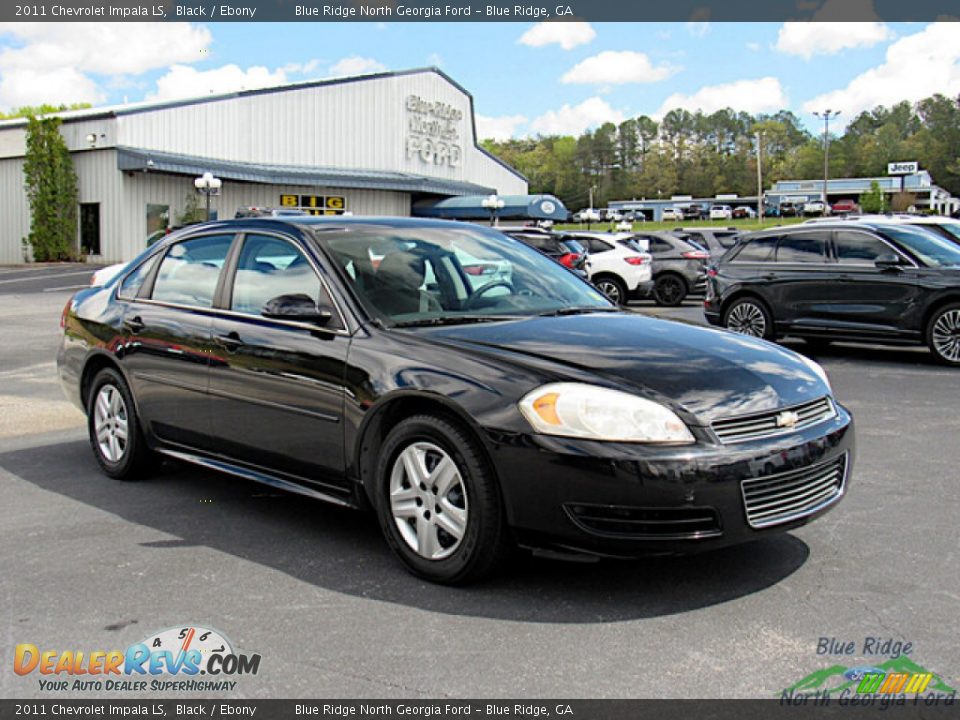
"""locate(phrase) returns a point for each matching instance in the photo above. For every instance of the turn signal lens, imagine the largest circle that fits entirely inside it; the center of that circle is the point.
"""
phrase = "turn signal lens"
(546, 408)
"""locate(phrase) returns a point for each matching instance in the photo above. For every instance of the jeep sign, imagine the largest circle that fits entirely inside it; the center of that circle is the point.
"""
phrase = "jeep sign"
(903, 168)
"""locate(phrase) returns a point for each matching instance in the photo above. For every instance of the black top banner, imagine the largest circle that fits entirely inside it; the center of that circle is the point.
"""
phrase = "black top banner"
(481, 10)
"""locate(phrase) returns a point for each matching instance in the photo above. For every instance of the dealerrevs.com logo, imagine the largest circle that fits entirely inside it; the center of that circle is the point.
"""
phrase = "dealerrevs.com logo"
(189, 658)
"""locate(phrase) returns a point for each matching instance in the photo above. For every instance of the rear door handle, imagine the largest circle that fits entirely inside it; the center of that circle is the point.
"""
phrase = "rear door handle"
(134, 324)
(231, 341)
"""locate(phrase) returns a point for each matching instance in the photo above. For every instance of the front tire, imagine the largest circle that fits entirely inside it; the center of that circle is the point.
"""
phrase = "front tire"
(943, 335)
(749, 316)
(438, 502)
(114, 428)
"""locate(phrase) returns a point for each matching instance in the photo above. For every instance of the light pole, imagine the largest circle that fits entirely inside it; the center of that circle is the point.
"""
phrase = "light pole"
(208, 185)
(826, 115)
(493, 204)
(759, 137)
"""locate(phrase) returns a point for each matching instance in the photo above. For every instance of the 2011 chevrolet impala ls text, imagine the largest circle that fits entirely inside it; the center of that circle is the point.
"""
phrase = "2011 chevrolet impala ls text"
(355, 361)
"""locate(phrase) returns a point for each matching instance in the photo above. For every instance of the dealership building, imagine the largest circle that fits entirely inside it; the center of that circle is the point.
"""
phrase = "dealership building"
(384, 144)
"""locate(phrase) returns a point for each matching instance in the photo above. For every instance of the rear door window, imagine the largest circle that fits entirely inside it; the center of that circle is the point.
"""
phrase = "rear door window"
(802, 248)
(190, 270)
(757, 250)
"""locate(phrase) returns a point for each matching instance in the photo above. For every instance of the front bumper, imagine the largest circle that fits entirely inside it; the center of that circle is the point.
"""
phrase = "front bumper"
(654, 500)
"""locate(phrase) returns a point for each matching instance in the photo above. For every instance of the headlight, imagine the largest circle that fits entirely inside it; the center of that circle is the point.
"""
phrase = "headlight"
(596, 413)
(818, 369)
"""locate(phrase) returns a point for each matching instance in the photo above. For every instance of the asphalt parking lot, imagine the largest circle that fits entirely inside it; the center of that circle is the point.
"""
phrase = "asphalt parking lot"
(92, 563)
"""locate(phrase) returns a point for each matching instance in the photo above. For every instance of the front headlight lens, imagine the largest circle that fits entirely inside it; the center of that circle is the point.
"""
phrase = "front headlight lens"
(818, 369)
(597, 413)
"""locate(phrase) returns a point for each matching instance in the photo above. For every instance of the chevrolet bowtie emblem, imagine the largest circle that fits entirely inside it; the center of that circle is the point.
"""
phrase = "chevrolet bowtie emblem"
(787, 419)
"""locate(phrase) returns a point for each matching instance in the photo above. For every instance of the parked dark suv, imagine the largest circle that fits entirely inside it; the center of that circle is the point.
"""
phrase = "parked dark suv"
(852, 281)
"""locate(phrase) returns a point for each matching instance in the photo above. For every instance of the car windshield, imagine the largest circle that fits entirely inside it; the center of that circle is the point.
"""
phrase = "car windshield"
(927, 245)
(426, 276)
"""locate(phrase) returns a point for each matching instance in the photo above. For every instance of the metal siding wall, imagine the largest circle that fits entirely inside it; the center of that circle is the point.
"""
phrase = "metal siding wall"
(14, 211)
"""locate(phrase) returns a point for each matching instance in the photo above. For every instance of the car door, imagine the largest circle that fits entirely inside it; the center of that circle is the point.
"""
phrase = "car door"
(866, 298)
(802, 275)
(167, 345)
(277, 392)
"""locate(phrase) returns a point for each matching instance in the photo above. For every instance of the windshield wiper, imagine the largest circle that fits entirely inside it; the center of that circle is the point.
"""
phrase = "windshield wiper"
(453, 320)
(578, 310)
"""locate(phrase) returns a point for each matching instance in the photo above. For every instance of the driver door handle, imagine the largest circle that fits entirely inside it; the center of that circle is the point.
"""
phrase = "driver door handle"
(134, 324)
(231, 341)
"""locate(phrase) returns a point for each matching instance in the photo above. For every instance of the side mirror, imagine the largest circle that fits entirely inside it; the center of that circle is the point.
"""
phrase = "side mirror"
(888, 262)
(298, 308)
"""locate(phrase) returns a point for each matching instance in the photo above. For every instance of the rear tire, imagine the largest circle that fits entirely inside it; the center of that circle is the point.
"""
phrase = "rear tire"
(114, 428)
(669, 290)
(943, 335)
(439, 503)
(749, 316)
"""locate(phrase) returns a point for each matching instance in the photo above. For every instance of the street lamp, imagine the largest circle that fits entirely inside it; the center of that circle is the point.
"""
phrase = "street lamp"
(493, 204)
(208, 185)
(826, 115)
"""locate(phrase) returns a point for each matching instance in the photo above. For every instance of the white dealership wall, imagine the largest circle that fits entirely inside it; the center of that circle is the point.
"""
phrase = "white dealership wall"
(352, 126)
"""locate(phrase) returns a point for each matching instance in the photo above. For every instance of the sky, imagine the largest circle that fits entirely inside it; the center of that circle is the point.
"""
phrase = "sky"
(526, 78)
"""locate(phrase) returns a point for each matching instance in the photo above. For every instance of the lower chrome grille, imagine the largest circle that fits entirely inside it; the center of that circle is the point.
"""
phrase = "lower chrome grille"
(777, 499)
(647, 522)
(773, 422)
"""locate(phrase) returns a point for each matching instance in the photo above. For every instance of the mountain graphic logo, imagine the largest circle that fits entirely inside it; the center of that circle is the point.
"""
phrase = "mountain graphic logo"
(837, 678)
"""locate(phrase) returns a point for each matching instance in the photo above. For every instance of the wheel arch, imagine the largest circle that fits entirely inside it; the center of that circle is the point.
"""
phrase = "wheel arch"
(934, 308)
(391, 410)
(94, 363)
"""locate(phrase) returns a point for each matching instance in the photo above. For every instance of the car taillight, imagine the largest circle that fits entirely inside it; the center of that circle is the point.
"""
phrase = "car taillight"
(63, 315)
(696, 255)
(635, 260)
(711, 272)
(570, 260)
(479, 269)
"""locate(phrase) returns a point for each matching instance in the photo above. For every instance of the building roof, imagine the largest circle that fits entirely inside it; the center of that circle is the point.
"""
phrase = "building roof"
(113, 111)
(142, 160)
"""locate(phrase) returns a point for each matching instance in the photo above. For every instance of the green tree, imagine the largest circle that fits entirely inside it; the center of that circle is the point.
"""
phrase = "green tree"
(51, 185)
(872, 200)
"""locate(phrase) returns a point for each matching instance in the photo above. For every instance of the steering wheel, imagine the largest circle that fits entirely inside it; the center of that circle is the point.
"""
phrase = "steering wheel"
(468, 303)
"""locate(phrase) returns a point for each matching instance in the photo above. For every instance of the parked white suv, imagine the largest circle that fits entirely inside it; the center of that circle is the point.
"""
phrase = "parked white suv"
(815, 207)
(673, 214)
(616, 270)
(721, 212)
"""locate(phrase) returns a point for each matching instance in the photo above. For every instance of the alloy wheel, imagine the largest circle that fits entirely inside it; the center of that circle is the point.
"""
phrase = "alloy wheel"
(610, 289)
(946, 335)
(428, 500)
(747, 318)
(111, 423)
(669, 291)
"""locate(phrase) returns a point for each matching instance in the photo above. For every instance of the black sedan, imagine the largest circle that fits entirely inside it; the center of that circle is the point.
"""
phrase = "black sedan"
(352, 360)
(871, 282)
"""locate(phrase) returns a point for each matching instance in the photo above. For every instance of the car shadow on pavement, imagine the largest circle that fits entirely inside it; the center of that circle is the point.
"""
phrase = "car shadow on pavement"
(342, 550)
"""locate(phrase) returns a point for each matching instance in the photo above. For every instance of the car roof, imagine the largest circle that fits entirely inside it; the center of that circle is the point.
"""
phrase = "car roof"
(833, 225)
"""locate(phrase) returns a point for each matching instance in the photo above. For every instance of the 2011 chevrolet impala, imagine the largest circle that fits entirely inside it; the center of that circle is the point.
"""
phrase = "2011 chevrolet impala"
(356, 361)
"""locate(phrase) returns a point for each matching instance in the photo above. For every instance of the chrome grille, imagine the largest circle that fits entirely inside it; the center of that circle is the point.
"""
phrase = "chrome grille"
(770, 423)
(776, 499)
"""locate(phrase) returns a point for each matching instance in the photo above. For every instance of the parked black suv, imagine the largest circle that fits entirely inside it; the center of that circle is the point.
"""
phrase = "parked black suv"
(864, 281)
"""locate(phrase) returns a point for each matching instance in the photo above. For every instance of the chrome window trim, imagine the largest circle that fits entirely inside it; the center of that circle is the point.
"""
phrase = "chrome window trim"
(230, 313)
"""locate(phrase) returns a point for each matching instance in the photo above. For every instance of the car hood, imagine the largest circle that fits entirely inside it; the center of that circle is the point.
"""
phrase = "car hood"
(707, 373)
